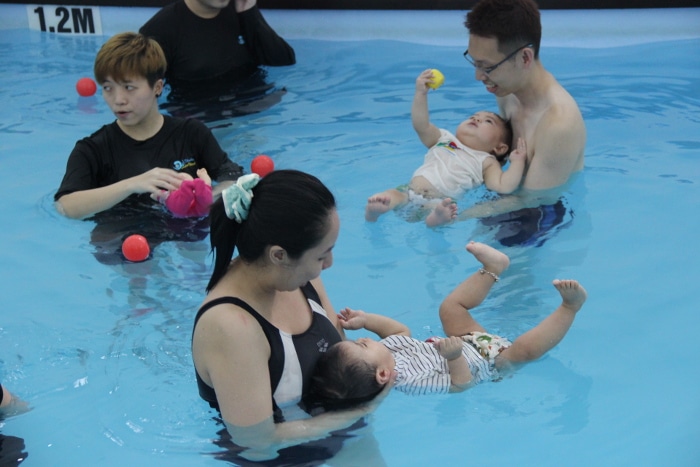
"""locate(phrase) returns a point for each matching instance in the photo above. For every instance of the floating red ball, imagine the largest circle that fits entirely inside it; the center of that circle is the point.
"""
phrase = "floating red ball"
(262, 165)
(135, 248)
(86, 87)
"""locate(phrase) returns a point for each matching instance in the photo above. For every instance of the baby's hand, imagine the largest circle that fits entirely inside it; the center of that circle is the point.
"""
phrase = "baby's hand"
(449, 347)
(204, 175)
(520, 152)
(352, 319)
(422, 81)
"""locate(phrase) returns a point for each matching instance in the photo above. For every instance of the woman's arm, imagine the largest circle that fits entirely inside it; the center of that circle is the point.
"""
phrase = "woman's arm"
(6, 398)
(265, 439)
(84, 203)
(231, 352)
(11, 405)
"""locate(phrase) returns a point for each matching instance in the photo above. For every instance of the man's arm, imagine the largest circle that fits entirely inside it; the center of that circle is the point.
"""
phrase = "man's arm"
(509, 203)
(268, 46)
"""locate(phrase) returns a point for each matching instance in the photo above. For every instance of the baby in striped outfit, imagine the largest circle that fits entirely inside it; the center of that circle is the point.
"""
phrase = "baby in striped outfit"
(352, 372)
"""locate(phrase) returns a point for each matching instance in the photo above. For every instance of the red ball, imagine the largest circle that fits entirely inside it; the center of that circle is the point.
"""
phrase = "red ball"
(262, 165)
(135, 248)
(86, 87)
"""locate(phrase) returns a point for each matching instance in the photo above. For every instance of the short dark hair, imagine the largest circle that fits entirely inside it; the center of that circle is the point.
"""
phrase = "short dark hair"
(289, 208)
(130, 54)
(514, 23)
(340, 383)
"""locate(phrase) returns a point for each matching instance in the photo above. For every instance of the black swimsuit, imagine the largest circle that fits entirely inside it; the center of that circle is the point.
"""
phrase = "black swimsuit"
(289, 378)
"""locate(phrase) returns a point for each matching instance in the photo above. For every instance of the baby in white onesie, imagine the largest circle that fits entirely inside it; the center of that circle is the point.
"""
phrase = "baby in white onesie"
(453, 164)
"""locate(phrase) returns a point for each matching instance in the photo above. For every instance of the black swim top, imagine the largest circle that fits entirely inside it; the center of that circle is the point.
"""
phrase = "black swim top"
(292, 357)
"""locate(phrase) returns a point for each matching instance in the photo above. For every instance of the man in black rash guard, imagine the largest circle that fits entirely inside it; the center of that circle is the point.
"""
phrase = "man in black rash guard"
(214, 50)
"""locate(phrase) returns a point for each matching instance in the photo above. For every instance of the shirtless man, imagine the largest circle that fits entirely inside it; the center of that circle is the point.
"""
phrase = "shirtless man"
(504, 42)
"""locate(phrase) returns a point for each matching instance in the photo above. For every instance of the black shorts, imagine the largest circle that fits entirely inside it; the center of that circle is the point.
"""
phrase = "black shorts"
(530, 226)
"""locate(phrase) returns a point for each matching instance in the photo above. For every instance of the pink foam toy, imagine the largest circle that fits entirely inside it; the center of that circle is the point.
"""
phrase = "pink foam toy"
(192, 199)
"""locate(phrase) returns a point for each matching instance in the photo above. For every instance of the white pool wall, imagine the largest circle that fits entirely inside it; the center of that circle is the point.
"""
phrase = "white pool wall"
(566, 28)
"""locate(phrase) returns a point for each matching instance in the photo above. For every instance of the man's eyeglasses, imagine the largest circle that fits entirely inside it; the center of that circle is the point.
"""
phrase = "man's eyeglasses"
(490, 69)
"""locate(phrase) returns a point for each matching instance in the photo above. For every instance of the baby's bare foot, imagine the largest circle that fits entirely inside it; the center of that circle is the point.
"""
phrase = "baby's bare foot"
(493, 260)
(443, 213)
(376, 206)
(572, 293)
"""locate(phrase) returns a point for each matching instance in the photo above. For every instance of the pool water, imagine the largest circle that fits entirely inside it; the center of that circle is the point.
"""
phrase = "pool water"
(101, 352)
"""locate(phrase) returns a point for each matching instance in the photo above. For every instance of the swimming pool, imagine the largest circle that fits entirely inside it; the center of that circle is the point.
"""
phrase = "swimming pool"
(102, 352)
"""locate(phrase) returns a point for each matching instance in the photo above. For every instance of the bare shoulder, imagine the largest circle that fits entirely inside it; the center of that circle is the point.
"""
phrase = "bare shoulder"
(557, 143)
(563, 112)
(561, 131)
(224, 335)
(225, 325)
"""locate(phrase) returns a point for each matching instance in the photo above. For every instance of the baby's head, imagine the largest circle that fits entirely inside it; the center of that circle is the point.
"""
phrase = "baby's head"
(350, 373)
(488, 132)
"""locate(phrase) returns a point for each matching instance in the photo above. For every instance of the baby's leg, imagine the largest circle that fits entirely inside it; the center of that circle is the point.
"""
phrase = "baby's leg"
(454, 310)
(543, 337)
(441, 214)
(383, 202)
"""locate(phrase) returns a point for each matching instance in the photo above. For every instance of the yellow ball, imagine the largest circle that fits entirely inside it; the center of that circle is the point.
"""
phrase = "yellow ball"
(438, 79)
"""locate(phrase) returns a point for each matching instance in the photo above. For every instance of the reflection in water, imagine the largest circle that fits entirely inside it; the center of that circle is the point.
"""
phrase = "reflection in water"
(12, 451)
(221, 100)
(561, 401)
(534, 225)
(141, 215)
(354, 446)
(309, 454)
